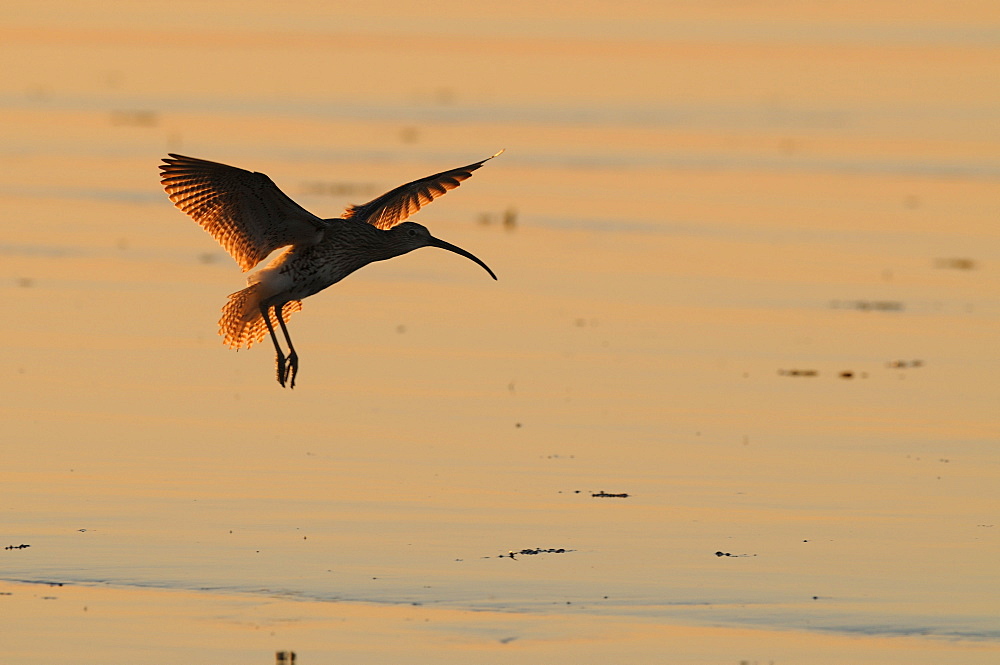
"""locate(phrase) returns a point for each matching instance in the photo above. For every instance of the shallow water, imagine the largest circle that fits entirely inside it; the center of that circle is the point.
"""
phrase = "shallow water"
(751, 282)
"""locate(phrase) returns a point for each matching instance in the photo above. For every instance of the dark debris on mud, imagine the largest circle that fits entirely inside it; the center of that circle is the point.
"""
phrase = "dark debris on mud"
(531, 551)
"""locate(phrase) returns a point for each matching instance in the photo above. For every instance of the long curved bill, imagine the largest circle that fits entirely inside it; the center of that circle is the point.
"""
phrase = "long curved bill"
(435, 242)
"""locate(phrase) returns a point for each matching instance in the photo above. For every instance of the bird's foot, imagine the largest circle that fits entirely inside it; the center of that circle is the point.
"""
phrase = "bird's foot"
(293, 369)
(282, 370)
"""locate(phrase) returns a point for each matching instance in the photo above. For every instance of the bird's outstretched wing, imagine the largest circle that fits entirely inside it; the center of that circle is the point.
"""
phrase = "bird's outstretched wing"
(244, 211)
(395, 206)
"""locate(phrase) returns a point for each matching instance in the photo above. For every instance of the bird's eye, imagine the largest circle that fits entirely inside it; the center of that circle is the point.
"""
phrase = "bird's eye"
(411, 233)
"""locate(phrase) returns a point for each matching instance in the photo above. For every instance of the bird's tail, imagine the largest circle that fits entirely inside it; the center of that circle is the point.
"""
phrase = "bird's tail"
(242, 324)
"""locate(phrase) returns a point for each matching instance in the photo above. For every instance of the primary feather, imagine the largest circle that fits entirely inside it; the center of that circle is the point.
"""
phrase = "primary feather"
(396, 205)
(243, 210)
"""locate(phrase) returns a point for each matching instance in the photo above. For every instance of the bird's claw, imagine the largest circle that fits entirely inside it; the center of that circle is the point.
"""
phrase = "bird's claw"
(282, 371)
(293, 369)
(287, 368)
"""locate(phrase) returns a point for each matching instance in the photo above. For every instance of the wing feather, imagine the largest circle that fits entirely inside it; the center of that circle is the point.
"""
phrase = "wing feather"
(243, 210)
(396, 205)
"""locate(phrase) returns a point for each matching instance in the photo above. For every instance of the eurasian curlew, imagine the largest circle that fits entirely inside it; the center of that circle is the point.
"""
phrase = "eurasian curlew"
(251, 217)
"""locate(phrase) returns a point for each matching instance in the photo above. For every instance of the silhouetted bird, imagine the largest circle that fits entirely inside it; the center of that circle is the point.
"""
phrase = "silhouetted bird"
(251, 217)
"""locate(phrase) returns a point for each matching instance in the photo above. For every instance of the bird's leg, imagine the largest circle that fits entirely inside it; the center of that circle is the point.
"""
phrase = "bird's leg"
(279, 355)
(293, 357)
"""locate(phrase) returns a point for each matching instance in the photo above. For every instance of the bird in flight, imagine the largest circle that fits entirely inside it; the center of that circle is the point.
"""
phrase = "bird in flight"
(251, 217)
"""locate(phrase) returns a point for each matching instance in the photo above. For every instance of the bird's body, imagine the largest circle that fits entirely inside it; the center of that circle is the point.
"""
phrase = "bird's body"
(251, 217)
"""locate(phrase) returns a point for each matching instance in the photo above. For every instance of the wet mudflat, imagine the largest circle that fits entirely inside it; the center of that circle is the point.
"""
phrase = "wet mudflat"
(733, 397)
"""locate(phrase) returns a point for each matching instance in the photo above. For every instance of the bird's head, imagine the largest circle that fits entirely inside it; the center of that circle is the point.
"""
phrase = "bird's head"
(409, 236)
